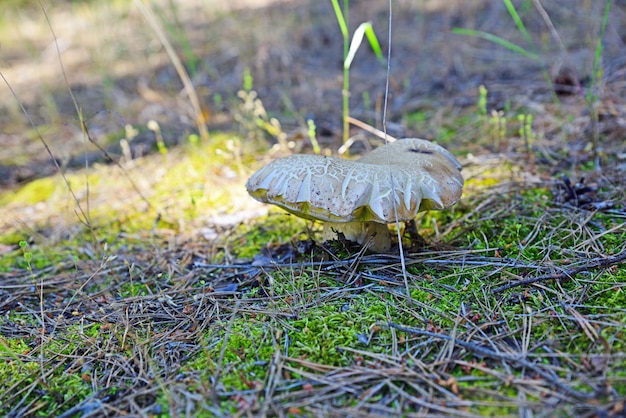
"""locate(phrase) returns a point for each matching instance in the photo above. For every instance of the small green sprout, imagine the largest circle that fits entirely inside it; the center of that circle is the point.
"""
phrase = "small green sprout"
(248, 80)
(313, 136)
(28, 255)
(482, 100)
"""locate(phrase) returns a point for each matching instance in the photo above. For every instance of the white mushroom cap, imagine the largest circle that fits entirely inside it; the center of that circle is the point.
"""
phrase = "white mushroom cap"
(425, 176)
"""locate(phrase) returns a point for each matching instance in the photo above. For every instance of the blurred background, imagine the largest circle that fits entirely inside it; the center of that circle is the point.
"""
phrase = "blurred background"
(290, 54)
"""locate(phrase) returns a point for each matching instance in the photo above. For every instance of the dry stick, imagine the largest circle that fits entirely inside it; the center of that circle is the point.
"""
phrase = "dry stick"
(477, 349)
(592, 265)
(85, 214)
(180, 69)
(431, 406)
(371, 129)
(548, 21)
(600, 235)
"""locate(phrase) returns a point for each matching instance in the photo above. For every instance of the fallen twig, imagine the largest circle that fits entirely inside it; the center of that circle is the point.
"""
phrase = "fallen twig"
(595, 263)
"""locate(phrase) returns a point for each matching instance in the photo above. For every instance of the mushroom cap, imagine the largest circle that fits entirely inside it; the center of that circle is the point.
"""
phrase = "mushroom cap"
(424, 176)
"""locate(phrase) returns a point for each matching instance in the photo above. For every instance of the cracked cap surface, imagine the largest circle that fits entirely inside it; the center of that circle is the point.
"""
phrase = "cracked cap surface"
(417, 174)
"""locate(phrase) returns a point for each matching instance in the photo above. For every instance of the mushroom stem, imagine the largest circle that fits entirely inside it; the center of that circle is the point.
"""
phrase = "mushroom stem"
(360, 232)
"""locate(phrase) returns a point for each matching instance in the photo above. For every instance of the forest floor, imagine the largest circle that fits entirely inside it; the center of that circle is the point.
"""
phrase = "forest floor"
(137, 277)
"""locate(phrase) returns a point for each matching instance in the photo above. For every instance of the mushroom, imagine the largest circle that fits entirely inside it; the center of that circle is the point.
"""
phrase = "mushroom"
(356, 197)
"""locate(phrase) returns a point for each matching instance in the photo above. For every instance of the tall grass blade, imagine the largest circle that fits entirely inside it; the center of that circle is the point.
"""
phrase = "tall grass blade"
(596, 78)
(497, 40)
(342, 16)
(596, 74)
(343, 27)
(517, 20)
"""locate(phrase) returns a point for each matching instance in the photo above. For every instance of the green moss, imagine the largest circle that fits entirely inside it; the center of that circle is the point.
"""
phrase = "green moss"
(13, 347)
(12, 238)
(277, 228)
(64, 384)
(34, 192)
(318, 337)
(132, 289)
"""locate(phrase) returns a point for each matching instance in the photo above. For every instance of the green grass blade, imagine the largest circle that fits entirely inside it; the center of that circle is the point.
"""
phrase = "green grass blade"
(518, 20)
(343, 27)
(596, 73)
(373, 40)
(496, 39)
(367, 30)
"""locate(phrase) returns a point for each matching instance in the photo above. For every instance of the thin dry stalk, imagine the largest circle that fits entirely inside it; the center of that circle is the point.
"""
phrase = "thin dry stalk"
(180, 69)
